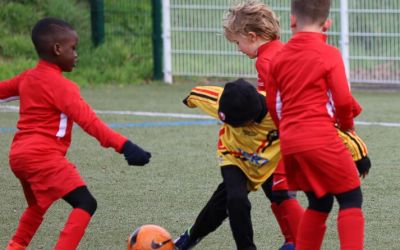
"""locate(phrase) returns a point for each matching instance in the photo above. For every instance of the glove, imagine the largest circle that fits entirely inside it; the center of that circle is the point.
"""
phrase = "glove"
(135, 155)
(363, 166)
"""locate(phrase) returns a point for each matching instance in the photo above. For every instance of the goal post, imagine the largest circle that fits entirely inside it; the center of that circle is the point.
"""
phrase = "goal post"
(166, 34)
(161, 37)
(344, 35)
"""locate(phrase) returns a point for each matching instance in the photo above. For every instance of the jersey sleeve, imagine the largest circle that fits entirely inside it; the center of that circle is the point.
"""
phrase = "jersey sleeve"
(263, 69)
(354, 144)
(68, 100)
(356, 107)
(339, 87)
(9, 89)
(273, 98)
(206, 98)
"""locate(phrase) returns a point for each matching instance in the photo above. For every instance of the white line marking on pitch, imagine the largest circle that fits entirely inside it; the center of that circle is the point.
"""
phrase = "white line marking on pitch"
(11, 108)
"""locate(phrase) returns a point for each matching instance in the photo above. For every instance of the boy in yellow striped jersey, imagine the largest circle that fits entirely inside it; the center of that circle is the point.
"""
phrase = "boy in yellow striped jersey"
(248, 154)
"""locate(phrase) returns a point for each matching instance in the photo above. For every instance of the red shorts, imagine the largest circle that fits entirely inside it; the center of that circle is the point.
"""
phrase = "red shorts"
(279, 180)
(46, 182)
(323, 170)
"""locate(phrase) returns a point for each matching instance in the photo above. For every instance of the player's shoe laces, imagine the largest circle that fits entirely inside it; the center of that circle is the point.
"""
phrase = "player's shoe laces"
(287, 246)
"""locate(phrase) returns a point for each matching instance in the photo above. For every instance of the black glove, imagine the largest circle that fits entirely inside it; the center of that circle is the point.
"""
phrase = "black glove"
(135, 155)
(363, 166)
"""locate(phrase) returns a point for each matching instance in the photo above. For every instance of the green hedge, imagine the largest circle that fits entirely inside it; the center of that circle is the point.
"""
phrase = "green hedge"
(124, 58)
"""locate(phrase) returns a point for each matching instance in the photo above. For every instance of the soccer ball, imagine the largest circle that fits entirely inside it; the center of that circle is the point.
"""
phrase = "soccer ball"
(149, 237)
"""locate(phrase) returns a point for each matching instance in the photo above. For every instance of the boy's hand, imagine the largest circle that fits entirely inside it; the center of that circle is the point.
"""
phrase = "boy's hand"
(135, 155)
(363, 166)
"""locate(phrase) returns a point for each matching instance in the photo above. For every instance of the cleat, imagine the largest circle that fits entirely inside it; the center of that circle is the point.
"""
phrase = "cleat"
(185, 242)
(181, 243)
(287, 246)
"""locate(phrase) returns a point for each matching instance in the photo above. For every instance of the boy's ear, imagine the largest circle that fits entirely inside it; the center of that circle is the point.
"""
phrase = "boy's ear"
(327, 24)
(293, 21)
(57, 49)
(252, 35)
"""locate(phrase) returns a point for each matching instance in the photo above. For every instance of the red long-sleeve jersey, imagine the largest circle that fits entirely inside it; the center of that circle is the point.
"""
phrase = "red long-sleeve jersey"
(49, 105)
(264, 56)
(308, 92)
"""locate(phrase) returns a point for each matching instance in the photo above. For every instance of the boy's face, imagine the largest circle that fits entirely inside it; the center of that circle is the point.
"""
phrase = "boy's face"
(248, 45)
(65, 50)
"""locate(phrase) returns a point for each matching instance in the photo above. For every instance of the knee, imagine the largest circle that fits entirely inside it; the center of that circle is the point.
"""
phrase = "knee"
(83, 199)
(282, 195)
(323, 204)
(267, 188)
(350, 199)
(36, 209)
(237, 199)
(89, 204)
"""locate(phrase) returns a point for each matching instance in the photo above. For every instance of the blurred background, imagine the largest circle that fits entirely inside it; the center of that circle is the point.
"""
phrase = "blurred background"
(136, 41)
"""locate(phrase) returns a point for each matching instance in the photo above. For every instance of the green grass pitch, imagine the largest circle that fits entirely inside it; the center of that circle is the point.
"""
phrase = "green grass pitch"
(183, 173)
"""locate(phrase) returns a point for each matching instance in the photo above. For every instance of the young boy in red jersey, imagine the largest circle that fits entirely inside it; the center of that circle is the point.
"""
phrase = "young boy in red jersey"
(254, 28)
(308, 95)
(49, 105)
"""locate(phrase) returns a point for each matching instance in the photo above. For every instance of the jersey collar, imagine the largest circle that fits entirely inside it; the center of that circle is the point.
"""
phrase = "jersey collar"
(48, 65)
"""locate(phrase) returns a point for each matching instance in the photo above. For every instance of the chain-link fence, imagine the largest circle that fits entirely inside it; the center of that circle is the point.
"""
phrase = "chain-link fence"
(367, 32)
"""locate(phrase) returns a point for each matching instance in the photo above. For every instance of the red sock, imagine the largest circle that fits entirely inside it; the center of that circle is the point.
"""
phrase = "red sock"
(351, 229)
(311, 230)
(279, 216)
(12, 245)
(28, 225)
(73, 230)
(293, 212)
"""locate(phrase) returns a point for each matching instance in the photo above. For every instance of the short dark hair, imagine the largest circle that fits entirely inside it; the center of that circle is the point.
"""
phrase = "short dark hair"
(46, 31)
(314, 11)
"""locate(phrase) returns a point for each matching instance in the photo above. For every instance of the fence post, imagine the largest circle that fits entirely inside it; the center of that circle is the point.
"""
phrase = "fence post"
(344, 36)
(157, 40)
(167, 51)
(97, 21)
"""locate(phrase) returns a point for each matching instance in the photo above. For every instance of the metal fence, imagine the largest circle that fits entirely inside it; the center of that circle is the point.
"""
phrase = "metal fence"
(366, 31)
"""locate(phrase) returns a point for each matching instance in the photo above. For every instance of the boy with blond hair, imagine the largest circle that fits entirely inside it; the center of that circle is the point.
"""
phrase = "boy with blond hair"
(254, 28)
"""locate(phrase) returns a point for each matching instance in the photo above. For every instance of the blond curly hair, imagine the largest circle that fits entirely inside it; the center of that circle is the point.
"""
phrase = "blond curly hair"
(251, 16)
